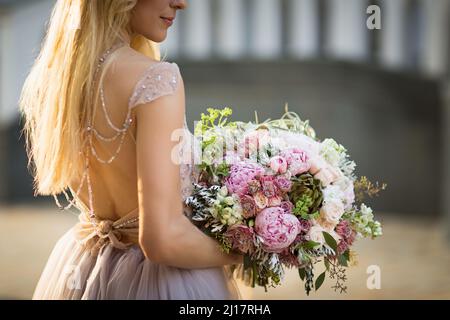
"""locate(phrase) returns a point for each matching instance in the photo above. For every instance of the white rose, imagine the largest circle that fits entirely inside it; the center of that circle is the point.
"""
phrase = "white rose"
(328, 175)
(315, 234)
(332, 211)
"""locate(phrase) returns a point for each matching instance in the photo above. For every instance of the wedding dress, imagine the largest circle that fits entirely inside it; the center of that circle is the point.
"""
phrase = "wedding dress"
(101, 259)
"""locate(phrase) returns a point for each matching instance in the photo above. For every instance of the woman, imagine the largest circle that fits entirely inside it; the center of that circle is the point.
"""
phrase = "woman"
(100, 110)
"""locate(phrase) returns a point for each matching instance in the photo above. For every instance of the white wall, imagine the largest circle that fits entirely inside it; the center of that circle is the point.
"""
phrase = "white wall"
(21, 30)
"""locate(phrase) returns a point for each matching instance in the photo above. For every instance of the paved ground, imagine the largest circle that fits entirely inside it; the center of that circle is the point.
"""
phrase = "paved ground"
(412, 255)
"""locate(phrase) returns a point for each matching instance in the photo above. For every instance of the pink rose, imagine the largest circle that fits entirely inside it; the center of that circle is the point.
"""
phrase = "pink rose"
(260, 200)
(305, 225)
(241, 238)
(278, 164)
(287, 206)
(274, 201)
(283, 183)
(277, 229)
(268, 186)
(254, 186)
(248, 206)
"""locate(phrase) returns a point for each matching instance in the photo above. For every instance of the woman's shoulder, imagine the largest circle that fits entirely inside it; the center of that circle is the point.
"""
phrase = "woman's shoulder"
(141, 78)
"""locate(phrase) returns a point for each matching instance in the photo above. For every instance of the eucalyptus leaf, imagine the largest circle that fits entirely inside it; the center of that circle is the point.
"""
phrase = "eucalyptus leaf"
(327, 264)
(302, 273)
(330, 240)
(346, 254)
(342, 260)
(310, 244)
(320, 280)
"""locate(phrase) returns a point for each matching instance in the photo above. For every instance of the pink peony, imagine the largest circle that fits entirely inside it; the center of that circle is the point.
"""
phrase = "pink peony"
(241, 238)
(248, 206)
(278, 164)
(283, 183)
(240, 174)
(298, 160)
(277, 229)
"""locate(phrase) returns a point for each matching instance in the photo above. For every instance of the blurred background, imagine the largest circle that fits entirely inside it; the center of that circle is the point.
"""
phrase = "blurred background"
(383, 93)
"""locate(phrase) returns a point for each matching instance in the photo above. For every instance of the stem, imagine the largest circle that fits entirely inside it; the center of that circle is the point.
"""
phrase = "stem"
(254, 274)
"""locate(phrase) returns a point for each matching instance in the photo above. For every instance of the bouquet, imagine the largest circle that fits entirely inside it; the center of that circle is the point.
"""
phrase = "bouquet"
(276, 194)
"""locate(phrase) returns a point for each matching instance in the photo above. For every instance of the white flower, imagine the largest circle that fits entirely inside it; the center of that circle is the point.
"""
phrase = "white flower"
(229, 201)
(214, 212)
(366, 211)
(315, 234)
(332, 211)
(333, 192)
(223, 191)
(237, 211)
(347, 188)
(332, 152)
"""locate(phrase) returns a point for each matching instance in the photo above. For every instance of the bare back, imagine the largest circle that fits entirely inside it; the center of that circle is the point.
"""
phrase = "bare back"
(114, 184)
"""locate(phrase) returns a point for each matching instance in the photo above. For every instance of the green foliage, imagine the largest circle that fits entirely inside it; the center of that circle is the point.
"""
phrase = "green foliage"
(307, 196)
(331, 242)
(319, 280)
(208, 121)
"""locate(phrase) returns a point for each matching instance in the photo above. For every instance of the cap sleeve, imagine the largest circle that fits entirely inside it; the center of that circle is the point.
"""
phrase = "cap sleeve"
(158, 80)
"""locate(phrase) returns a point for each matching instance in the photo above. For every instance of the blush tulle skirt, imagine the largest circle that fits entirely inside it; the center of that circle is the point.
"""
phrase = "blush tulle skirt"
(72, 272)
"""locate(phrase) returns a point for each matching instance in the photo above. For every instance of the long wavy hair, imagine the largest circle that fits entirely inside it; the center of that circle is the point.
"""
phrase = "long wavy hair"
(60, 94)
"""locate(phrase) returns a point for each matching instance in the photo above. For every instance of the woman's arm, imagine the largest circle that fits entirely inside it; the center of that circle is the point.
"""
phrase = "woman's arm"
(165, 234)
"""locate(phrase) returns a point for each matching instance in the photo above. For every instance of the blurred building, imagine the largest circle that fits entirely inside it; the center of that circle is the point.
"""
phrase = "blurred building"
(383, 93)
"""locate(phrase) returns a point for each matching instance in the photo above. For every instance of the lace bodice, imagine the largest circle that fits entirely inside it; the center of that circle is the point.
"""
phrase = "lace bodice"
(159, 79)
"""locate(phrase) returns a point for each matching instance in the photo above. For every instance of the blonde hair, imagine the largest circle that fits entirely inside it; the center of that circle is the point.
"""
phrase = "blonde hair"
(58, 95)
